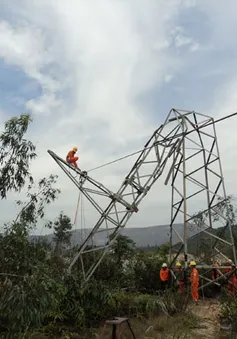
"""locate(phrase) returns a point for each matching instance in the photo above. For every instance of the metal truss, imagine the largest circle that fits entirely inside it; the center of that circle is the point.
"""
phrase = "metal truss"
(199, 196)
(178, 151)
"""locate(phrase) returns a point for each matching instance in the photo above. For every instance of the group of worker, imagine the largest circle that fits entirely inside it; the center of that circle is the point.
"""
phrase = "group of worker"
(182, 280)
(230, 273)
(179, 273)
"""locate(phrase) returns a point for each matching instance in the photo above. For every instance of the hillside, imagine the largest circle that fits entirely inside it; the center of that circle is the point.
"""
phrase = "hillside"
(142, 236)
(203, 242)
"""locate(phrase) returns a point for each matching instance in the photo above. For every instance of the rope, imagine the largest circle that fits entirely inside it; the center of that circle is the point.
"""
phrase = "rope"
(141, 150)
(76, 213)
(119, 159)
(82, 225)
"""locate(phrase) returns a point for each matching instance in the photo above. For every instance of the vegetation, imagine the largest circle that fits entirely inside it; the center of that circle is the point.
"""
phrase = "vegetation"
(38, 299)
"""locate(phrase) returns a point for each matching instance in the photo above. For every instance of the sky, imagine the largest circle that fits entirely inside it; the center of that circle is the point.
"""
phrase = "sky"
(103, 75)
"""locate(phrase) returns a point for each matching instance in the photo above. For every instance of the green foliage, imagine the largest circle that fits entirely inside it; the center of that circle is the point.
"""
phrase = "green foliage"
(123, 248)
(62, 231)
(37, 298)
(146, 272)
(135, 304)
(17, 255)
(110, 273)
(26, 301)
(229, 310)
(163, 251)
(172, 303)
(33, 210)
(15, 155)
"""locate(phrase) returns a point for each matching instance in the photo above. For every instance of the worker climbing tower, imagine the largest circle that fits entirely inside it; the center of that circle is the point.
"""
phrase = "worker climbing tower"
(183, 153)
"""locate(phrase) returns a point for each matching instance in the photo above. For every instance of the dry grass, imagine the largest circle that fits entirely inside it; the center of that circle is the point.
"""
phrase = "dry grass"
(198, 322)
(162, 327)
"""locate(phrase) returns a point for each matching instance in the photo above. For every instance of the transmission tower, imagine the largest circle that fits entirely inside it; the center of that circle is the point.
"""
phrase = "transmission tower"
(184, 151)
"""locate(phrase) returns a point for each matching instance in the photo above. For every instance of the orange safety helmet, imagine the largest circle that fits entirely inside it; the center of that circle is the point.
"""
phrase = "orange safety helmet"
(75, 149)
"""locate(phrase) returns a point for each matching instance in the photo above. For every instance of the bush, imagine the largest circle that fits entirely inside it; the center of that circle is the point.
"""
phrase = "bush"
(135, 305)
(146, 272)
(228, 312)
(25, 302)
(172, 303)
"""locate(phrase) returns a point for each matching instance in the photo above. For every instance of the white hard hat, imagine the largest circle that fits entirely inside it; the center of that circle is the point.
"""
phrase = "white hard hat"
(164, 265)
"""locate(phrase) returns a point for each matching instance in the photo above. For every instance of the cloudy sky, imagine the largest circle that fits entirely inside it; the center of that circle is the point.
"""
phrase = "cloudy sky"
(103, 75)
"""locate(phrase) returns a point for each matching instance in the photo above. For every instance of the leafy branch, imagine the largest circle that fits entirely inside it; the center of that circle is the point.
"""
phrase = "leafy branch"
(15, 155)
(34, 208)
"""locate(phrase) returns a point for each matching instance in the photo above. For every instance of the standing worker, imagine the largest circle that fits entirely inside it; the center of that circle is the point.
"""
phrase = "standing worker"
(179, 274)
(194, 279)
(71, 159)
(232, 285)
(226, 271)
(164, 276)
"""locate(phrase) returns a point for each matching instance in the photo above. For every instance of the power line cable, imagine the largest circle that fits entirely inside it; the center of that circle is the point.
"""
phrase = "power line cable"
(116, 160)
(141, 150)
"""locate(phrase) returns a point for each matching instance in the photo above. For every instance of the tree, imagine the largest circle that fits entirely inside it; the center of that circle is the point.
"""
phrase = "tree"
(15, 155)
(33, 208)
(62, 231)
(123, 248)
(24, 266)
(164, 250)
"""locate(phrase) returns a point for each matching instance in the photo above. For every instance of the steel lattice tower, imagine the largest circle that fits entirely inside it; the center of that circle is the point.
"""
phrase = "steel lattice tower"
(183, 150)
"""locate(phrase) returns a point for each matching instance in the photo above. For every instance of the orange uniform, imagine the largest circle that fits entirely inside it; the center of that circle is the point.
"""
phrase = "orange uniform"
(164, 274)
(232, 286)
(194, 279)
(226, 270)
(164, 277)
(179, 273)
(71, 159)
(232, 281)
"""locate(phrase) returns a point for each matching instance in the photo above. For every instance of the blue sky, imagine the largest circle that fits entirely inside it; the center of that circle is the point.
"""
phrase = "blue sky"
(94, 72)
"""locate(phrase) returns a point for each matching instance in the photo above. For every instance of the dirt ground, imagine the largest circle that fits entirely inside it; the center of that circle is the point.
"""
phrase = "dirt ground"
(208, 311)
(202, 323)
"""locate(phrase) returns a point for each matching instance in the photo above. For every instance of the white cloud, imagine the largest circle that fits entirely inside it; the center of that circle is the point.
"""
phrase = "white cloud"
(181, 39)
(94, 62)
(24, 46)
(222, 23)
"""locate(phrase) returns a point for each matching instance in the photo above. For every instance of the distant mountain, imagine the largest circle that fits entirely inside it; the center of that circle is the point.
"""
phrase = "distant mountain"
(142, 236)
(203, 242)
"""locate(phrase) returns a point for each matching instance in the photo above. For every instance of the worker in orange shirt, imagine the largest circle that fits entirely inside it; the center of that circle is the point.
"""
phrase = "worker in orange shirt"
(179, 274)
(194, 279)
(164, 276)
(71, 159)
(228, 275)
(232, 285)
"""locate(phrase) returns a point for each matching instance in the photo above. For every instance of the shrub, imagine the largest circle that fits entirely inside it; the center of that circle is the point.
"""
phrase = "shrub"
(25, 302)
(173, 303)
(146, 272)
